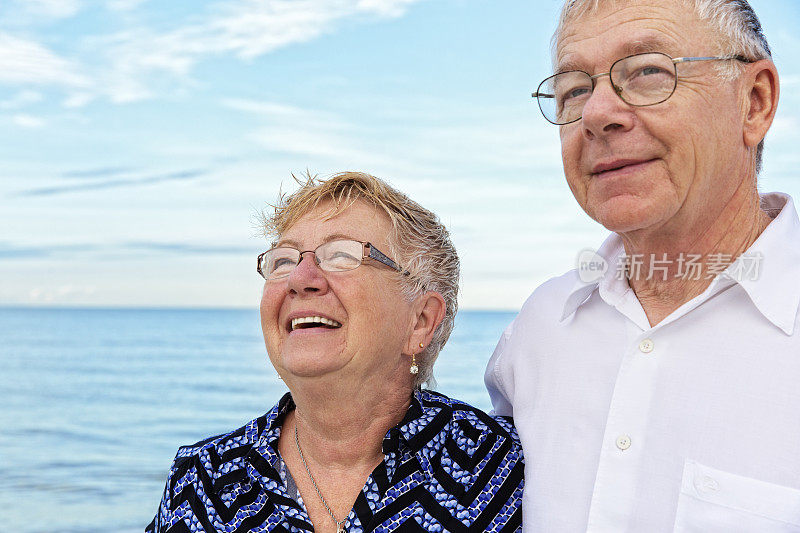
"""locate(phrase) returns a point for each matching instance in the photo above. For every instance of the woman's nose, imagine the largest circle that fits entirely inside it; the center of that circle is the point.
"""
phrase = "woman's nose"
(307, 277)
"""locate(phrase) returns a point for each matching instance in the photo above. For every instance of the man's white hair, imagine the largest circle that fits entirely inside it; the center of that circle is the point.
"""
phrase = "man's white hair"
(736, 25)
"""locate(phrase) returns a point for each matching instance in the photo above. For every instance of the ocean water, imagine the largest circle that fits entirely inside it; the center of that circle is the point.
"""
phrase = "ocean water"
(94, 403)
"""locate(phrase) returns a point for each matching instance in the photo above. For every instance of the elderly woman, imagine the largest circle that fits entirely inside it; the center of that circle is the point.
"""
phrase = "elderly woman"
(359, 298)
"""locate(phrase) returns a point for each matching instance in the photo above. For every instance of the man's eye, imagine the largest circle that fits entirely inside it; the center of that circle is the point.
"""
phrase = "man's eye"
(650, 71)
(574, 97)
(580, 91)
(576, 92)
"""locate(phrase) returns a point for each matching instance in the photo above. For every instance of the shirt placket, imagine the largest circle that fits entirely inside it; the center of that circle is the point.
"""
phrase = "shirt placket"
(623, 447)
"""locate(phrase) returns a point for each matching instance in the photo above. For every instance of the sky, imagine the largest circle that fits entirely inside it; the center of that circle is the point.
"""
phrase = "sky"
(139, 139)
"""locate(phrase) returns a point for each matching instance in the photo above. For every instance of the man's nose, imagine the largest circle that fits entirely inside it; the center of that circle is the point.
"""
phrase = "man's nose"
(605, 111)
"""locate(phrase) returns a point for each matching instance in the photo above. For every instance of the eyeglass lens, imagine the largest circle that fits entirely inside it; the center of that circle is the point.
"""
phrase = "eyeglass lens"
(640, 80)
(332, 256)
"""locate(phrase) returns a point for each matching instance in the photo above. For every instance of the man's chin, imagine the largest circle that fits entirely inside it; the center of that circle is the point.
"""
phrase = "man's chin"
(624, 216)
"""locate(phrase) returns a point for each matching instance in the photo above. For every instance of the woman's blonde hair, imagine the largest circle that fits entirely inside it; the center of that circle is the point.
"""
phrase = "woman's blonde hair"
(420, 243)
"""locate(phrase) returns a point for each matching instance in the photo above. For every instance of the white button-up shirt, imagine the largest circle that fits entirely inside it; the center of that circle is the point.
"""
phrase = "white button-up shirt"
(689, 425)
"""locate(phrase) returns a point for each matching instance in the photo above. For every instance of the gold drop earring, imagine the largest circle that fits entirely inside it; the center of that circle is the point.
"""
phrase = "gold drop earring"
(414, 368)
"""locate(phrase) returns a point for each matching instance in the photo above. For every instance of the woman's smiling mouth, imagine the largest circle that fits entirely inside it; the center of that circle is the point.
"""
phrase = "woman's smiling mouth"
(313, 321)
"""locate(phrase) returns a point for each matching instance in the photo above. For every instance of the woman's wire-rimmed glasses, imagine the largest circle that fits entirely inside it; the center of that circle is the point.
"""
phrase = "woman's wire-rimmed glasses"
(639, 80)
(332, 256)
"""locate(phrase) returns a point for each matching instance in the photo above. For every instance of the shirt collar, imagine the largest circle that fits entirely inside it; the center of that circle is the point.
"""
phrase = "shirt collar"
(412, 434)
(414, 431)
(775, 291)
(260, 462)
(611, 286)
(417, 418)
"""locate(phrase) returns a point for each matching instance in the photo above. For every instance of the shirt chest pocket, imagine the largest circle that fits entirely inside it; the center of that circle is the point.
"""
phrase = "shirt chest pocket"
(716, 501)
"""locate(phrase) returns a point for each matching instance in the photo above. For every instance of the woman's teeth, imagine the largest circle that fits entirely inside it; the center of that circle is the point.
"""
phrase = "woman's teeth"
(314, 321)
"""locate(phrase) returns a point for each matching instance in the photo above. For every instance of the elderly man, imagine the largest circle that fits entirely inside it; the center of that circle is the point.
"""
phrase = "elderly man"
(657, 388)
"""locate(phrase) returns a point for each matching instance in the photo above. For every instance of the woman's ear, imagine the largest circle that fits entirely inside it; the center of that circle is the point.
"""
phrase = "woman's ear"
(763, 90)
(429, 311)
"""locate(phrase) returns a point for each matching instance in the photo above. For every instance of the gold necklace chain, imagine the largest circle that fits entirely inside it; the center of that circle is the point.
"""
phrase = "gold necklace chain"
(339, 523)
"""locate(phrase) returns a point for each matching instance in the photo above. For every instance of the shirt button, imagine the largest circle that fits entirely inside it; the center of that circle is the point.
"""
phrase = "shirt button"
(623, 442)
(646, 346)
(706, 484)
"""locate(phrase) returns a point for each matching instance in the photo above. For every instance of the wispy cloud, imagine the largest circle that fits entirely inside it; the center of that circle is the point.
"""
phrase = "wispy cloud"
(52, 8)
(28, 121)
(791, 80)
(38, 12)
(130, 65)
(124, 5)
(101, 172)
(276, 110)
(324, 135)
(243, 28)
(60, 294)
(250, 28)
(27, 62)
(186, 248)
(21, 99)
(15, 251)
(387, 8)
(114, 183)
(78, 99)
(489, 139)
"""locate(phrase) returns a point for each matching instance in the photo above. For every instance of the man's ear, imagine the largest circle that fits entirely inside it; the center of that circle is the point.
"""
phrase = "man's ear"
(429, 311)
(761, 82)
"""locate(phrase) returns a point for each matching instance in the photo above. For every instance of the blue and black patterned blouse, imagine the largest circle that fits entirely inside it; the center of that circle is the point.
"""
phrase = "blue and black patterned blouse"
(447, 467)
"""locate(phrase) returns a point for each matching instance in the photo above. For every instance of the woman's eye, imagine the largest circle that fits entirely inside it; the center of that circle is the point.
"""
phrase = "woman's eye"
(282, 262)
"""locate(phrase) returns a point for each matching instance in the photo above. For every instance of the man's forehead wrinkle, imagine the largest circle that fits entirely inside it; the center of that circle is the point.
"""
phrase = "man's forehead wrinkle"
(645, 43)
(656, 29)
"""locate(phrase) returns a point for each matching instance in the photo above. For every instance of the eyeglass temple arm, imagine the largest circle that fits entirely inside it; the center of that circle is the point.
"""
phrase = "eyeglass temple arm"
(711, 58)
(376, 254)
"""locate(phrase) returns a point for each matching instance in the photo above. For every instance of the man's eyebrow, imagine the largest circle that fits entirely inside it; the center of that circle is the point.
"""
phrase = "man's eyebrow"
(570, 64)
(652, 43)
(648, 44)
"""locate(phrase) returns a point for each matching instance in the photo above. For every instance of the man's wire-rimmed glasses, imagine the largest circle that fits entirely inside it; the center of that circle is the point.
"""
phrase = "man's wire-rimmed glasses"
(332, 256)
(639, 80)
